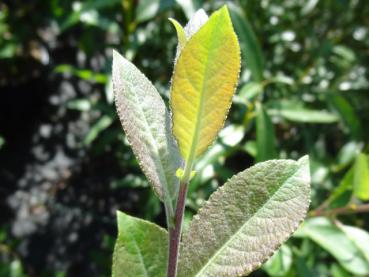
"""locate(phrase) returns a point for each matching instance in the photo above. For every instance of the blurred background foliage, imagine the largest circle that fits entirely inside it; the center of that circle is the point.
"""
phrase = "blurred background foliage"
(65, 164)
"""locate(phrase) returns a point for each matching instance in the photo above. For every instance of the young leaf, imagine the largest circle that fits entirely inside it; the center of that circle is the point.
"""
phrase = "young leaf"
(184, 34)
(265, 136)
(141, 248)
(246, 220)
(337, 243)
(195, 23)
(180, 34)
(347, 113)
(203, 84)
(147, 124)
(361, 177)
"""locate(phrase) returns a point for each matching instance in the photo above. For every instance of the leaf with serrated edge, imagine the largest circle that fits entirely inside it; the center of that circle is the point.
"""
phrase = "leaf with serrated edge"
(147, 124)
(141, 248)
(203, 84)
(246, 220)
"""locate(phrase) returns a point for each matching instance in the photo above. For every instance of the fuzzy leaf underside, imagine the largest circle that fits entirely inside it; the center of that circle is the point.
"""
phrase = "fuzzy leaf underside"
(203, 84)
(246, 220)
(141, 248)
(147, 124)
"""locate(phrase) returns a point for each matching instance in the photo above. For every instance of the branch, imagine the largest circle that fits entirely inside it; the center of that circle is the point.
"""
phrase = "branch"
(350, 209)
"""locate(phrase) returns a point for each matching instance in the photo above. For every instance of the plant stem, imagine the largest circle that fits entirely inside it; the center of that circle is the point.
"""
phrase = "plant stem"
(350, 209)
(175, 232)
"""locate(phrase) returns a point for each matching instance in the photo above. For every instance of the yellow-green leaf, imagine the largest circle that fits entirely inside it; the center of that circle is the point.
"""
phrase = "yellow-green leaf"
(184, 34)
(361, 177)
(180, 32)
(204, 81)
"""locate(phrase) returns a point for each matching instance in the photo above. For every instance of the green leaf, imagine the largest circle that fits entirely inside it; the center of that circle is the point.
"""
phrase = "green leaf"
(265, 136)
(82, 105)
(141, 248)
(248, 92)
(337, 243)
(304, 115)
(250, 148)
(147, 124)
(147, 9)
(280, 263)
(341, 196)
(104, 122)
(203, 84)
(361, 177)
(348, 153)
(84, 74)
(252, 56)
(359, 237)
(246, 220)
(347, 113)
(232, 135)
(339, 271)
(2, 141)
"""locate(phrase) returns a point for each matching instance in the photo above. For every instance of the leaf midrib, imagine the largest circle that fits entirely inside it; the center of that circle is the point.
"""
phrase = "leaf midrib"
(140, 257)
(215, 255)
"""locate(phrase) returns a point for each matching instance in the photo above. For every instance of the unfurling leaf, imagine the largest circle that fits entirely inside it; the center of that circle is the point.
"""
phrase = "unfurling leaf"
(204, 81)
(147, 124)
(246, 220)
(180, 34)
(184, 34)
(141, 248)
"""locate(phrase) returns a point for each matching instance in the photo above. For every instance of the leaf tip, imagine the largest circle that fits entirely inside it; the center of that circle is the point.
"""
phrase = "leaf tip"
(304, 161)
(180, 31)
(120, 215)
(116, 54)
(224, 9)
(201, 13)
